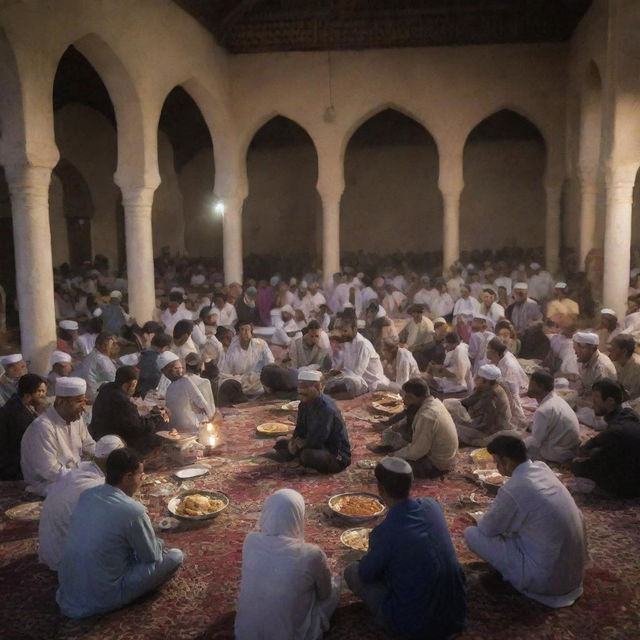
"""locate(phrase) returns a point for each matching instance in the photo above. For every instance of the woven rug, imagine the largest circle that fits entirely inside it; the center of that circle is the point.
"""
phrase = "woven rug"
(198, 603)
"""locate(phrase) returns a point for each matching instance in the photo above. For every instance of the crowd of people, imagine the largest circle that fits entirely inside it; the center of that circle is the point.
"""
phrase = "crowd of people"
(499, 355)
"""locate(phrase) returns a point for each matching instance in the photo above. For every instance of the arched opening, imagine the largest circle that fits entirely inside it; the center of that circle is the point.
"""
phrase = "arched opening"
(282, 214)
(183, 217)
(82, 196)
(503, 201)
(391, 201)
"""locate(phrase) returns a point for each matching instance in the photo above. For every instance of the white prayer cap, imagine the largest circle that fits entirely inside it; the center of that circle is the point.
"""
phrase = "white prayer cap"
(5, 361)
(397, 465)
(308, 375)
(287, 308)
(347, 305)
(521, 285)
(586, 337)
(303, 284)
(70, 387)
(131, 359)
(166, 358)
(608, 312)
(561, 285)
(293, 281)
(440, 320)
(59, 356)
(68, 325)
(489, 372)
(274, 281)
(116, 294)
(471, 267)
(479, 316)
(97, 312)
(535, 266)
(107, 444)
(381, 313)
(561, 383)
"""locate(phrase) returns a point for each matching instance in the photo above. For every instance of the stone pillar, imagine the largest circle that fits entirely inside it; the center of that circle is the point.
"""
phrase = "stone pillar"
(137, 203)
(330, 235)
(552, 226)
(232, 238)
(29, 189)
(617, 237)
(451, 240)
(588, 204)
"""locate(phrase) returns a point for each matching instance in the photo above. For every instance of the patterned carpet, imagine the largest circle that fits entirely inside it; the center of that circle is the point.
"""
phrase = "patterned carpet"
(198, 603)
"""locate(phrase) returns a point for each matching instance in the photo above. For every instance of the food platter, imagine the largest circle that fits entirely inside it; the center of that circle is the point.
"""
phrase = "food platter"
(356, 539)
(176, 437)
(482, 457)
(28, 511)
(191, 472)
(356, 506)
(490, 479)
(176, 504)
(274, 428)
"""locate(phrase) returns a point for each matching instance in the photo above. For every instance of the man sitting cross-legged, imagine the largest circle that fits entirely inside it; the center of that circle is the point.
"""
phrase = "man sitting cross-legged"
(533, 533)
(320, 440)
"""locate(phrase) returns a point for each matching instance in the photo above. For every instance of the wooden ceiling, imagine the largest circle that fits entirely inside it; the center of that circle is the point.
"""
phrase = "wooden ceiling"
(253, 26)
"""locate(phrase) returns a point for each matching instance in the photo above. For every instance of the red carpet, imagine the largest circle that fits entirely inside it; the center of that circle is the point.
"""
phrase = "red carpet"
(199, 602)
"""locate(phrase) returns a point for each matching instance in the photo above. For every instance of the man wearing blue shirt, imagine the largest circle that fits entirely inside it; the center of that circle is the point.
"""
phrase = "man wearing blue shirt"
(410, 578)
(112, 555)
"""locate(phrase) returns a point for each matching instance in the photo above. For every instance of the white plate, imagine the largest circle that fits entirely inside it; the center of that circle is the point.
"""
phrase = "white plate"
(360, 532)
(191, 472)
(291, 406)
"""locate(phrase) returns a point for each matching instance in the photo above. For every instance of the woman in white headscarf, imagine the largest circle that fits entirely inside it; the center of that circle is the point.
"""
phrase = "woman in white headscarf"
(286, 591)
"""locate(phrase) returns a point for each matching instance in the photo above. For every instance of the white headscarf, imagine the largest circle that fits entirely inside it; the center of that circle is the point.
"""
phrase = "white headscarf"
(283, 515)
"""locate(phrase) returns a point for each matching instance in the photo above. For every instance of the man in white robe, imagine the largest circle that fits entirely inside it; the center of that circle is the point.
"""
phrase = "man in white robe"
(98, 367)
(454, 375)
(312, 301)
(478, 341)
(399, 364)
(62, 498)
(175, 312)
(57, 440)
(490, 308)
(227, 314)
(14, 368)
(533, 534)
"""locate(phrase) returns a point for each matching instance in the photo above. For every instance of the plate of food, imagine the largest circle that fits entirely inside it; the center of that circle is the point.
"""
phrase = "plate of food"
(356, 507)
(177, 436)
(291, 406)
(27, 511)
(198, 505)
(356, 539)
(191, 472)
(368, 463)
(481, 456)
(274, 428)
(480, 499)
(491, 480)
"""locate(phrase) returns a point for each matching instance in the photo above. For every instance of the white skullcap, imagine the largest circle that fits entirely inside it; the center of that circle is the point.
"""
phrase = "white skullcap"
(381, 313)
(608, 312)
(116, 294)
(130, 359)
(177, 290)
(520, 285)
(70, 387)
(286, 308)
(440, 320)
(471, 267)
(59, 356)
(397, 465)
(585, 337)
(107, 444)
(68, 325)
(97, 312)
(166, 358)
(489, 372)
(303, 284)
(347, 305)
(561, 285)
(479, 316)
(534, 266)
(293, 281)
(309, 375)
(10, 359)
(561, 383)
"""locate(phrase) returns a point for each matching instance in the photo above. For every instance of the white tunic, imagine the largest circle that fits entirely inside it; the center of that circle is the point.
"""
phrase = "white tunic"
(361, 360)
(187, 406)
(52, 447)
(169, 320)
(406, 368)
(97, 368)
(516, 381)
(239, 361)
(57, 509)
(457, 362)
(478, 341)
(533, 534)
(562, 348)
(555, 432)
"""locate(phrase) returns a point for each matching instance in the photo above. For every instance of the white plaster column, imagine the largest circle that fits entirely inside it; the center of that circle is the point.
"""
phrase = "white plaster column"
(451, 183)
(617, 237)
(137, 203)
(29, 189)
(232, 238)
(330, 235)
(588, 202)
(553, 191)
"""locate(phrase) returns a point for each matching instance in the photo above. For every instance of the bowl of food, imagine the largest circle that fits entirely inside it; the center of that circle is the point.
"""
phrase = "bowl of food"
(177, 438)
(356, 539)
(198, 505)
(357, 506)
(493, 481)
(274, 428)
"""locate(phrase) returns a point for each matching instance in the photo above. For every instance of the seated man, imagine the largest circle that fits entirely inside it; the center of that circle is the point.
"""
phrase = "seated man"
(62, 498)
(307, 350)
(627, 363)
(320, 440)
(410, 578)
(183, 345)
(555, 432)
(242, 366)
(112, 556)
(418, 332)
(478, 340)
(524, 311)
(360, 369)
(14, 368)
(98, 367)
(399, 365)
(484, 413)
(148, 363)
(61, 367)
(435, 351)
(533, 533)
(454, 375)
(56, 441)
(19, 412)
(432, 449)
(612, 458)
(114, 413)
(593, 365)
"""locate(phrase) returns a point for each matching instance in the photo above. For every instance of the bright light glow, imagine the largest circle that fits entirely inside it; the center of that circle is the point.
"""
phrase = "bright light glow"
(218, 207)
